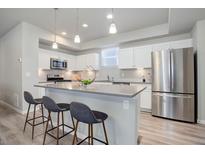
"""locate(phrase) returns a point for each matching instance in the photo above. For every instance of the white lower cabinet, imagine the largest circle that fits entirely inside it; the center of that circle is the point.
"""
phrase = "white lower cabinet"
(146, 98)
(146, 101)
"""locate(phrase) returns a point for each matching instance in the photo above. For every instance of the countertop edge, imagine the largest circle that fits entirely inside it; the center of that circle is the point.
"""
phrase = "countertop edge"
(102, 93)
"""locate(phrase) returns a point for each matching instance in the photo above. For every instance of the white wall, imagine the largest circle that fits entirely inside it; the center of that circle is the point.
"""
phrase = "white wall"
(21, 42)
(31, 36)
(156, 40)
(199, 39)
(150, 32)
(1, 72)
(11, 68)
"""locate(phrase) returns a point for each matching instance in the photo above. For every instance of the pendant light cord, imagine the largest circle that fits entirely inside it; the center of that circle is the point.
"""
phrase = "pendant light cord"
(112, 14)
(77, 21)
(55, 22)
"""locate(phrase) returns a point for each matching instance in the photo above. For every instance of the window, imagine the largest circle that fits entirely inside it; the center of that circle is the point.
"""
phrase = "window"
(109, 57)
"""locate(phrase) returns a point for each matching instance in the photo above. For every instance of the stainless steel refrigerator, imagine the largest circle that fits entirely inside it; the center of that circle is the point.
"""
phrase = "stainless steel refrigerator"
(173, 94)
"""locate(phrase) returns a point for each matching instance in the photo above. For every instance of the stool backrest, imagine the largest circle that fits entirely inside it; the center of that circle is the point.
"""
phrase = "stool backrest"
(28, 97)
(50, 104)
(82, 113)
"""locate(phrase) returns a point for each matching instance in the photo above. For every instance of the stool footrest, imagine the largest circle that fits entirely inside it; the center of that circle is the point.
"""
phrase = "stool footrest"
(91, 138)
(28, 121)
(48, 131)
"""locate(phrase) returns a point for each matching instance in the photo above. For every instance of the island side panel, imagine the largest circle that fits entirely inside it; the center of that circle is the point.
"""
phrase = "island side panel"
(123, 114)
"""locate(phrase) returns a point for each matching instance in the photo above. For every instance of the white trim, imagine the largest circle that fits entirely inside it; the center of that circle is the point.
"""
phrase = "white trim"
(15, 108)
(201, 121)
(12, 107)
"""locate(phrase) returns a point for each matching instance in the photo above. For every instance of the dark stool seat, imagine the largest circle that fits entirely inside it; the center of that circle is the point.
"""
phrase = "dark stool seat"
(51, 106)
(100, 116)
(64, 106)
(82, 113)
(31, 101)
(38, 101)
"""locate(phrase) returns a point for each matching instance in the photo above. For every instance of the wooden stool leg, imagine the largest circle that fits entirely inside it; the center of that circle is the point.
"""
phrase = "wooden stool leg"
(74, 127)
(75, 132)
(34, 113)
(49, 116)
(42, 113)
(63, 122)
(58, 128)
(106, 138)
(51, 122)
(88, 134)
(27, 117)
(91, 134)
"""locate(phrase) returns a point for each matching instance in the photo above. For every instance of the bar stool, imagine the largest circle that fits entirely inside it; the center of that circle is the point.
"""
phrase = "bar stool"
(51, 106)
(82, 113)
(31, 101)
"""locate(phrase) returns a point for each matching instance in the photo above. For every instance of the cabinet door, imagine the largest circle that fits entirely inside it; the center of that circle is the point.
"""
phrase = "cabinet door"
(161, 46)
(44, 60)
(146, 102)
(93, 60)
(71, 62)
(142, 57)
(126, 58)
(81, 62)
(181, 44)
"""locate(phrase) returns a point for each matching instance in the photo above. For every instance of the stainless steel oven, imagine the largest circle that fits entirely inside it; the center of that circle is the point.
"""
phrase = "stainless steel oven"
(58, 64)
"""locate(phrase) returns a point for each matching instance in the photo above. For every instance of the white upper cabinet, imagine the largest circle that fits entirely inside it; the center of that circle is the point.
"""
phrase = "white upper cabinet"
(44, 59)
(161, 46)
(83, 61)
(126, 58)
(75, 63)
(93, 60)
(71, 62)
(138, 57)
(181, 44)
(142, 57)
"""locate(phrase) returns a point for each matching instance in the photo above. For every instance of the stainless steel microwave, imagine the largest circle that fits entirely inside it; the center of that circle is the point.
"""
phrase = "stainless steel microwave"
(58, 64)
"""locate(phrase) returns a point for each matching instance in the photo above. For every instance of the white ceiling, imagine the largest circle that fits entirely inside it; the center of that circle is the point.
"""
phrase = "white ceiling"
(181, 20)
(126, 20)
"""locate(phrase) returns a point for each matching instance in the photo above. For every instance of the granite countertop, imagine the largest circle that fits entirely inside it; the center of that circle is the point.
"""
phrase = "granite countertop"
(125, 81)
(115, 90)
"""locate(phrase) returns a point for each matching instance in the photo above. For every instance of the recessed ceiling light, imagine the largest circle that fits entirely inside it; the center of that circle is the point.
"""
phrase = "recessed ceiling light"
(63, 33)
(84, 25)
(109, 16)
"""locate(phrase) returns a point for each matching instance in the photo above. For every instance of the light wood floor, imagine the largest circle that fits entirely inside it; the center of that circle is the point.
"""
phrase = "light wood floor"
(152, 131)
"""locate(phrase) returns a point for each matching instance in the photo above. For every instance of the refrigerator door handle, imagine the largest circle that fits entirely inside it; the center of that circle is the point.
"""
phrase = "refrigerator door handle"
(171, 70)
(173, 95)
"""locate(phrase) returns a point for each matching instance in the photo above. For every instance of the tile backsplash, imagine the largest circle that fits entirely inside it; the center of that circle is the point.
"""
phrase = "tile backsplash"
(102, 74)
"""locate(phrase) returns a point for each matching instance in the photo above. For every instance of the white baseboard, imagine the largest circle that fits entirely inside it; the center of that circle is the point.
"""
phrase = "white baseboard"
(201, 121)
(12, 107)
(15, 108)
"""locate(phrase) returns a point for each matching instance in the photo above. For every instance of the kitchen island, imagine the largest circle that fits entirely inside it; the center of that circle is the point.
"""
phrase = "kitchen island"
(120, 102)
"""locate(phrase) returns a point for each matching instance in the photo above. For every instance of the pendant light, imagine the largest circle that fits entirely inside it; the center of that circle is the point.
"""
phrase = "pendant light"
(55, 45)
(77, 37)
(113, 28)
